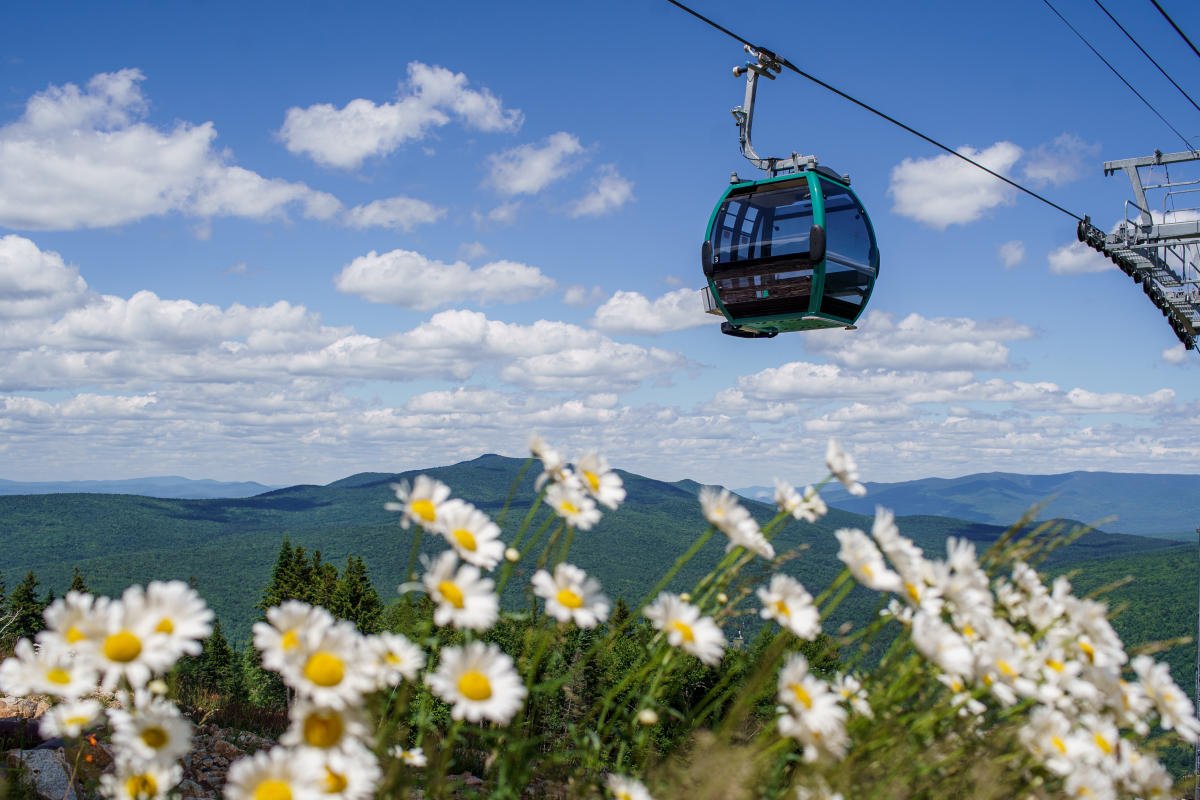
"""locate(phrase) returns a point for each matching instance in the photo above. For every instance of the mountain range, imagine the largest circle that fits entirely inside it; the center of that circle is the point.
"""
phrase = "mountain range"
(1165, 506)
(168, 486)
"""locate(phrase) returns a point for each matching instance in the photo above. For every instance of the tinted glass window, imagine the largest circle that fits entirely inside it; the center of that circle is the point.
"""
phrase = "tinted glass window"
(763, 224)
(848, 270)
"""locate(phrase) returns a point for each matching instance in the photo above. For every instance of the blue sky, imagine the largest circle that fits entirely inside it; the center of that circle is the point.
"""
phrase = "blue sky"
(288, 243)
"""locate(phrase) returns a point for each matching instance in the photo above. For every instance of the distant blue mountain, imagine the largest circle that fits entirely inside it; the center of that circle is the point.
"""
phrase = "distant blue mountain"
(1166, 506)
(167, 487)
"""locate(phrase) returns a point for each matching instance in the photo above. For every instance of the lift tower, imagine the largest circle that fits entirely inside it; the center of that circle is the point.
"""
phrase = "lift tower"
(1159, 246)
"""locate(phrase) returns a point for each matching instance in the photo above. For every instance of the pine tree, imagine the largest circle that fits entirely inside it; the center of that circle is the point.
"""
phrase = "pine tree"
(78, 584)
(26, 608)
(354, 598)
(279, 589)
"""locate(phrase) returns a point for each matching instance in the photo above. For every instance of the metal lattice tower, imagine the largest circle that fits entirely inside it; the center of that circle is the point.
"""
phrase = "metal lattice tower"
(1158, 242)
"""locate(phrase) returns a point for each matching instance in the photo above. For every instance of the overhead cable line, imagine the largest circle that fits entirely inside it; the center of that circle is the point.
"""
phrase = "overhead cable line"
(1150, 106)
(867, 107)
(1129, 36)
(1178, 30)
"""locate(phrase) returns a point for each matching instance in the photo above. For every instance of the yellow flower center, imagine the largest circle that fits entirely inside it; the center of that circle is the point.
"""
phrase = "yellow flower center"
(273, 789)
(74, 721)
(623, 796)
(1087, 649)
(451, 593)
(323, 729)
(474, 685)
(289, 640)
(913, 592)
(568, 508)
(1059, 744)
(122, 647)
(593, 480)
(1104, 745)
(968, 631)
(392, 659)
(1005, 668)
(465, 539)
(424, 508)
(141, 785)
(801, 694)
(335, 782)
(58, 675)
(325, 668)
(165, 626)
(867, 571)
(154, 737)
(781, 608)
(569, 599)
(74, 635)
(1055, 664)
(684, 630)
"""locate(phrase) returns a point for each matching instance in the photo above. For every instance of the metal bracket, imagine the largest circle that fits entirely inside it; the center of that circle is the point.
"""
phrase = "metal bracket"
(767, 65)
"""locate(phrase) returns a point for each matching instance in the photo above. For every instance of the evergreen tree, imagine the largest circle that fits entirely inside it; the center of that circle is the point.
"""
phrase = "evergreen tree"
(324, 581)
(26, 608)
(354, 598)
(279, 588)
(78, 584)
(218, 671)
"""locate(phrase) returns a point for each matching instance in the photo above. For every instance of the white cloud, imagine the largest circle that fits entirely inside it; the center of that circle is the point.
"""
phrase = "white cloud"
(472, 251)
(345, 137)
(1118, 402)
(945, 190)
(799, 379)
(80, 158)
(1077, 258)
(609, 192)
(398, 213)
(1177, 354)
(608, 365)
(631, 312)
(920, 343)
(505, 213)
(582, 296)
(34, 283)
(408, 279)
(530, 168)
(1060, 161)
(1011, 253)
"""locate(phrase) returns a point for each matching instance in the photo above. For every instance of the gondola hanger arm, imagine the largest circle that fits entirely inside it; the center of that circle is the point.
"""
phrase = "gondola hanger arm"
(766, 64)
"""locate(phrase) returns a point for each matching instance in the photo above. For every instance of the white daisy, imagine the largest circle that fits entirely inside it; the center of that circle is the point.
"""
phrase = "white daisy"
(865, 561)
(601, 482)
(1048, 736)
(1175, 709)
(396, 658)
(152, 732)
(131, 648)
(479, 682)
(942, 645)
(323, 727)
(281, 639)
(574, 505)
(420, 503)
(812, 715)
(554, 466)
(414, 757)
(727, 515)
(74, 622)
(464, 598)
(46, 671)
(686, 629)
(351, 773)
(621, 787)
(808, 507)
(140, 781)
(471, 533)
(842, 467)
(178, 612)
(571, 596)
(281, 773)
(849, 690)
(69, 719)
(786, 601)
(336, 670)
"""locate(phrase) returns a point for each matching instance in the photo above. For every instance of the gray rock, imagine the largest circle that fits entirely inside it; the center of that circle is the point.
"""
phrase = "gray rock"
(46, 772)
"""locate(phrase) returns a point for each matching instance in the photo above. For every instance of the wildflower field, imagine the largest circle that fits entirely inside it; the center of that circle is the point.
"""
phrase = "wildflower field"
(975, 679)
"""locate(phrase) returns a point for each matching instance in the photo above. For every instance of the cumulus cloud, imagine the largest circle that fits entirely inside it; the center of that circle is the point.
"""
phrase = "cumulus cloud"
(632, 312)
(609, 192)
(82, 158)
(1060, 161)
(1011, 253)
(1177, 354)
(34, 283)
(1077, 258)
(920, 343)
(408, 279)
(945, 190)
(398, 213)
(433, 96)
(581, 296)
(529, 168)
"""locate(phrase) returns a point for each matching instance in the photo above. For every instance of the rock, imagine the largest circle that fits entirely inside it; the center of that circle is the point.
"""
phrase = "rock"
(46, 772)
(18, 733)
(226, 750)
